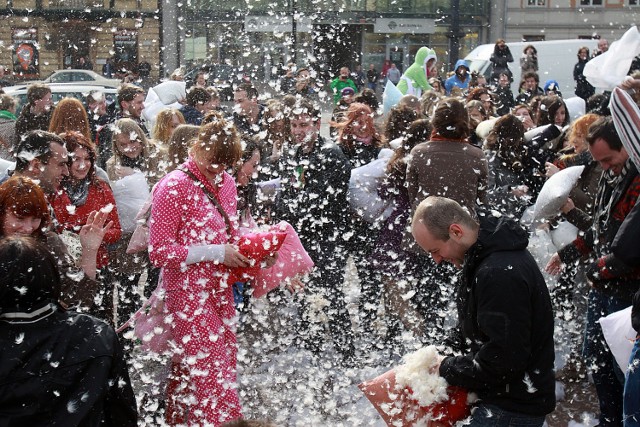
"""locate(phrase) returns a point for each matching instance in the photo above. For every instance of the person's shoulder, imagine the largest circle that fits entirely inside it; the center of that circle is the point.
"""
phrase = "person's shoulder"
(473, 151)
(89, 335)
(175, 183)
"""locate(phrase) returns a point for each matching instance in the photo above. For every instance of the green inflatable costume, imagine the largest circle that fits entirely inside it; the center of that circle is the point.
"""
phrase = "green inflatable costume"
(414, 80)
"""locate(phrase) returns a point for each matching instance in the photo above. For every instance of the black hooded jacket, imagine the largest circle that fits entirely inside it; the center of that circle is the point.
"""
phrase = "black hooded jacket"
(506, 324)
(61, 368)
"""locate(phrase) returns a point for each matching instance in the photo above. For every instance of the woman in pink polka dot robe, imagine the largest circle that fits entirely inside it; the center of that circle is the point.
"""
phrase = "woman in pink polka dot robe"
(190, 240)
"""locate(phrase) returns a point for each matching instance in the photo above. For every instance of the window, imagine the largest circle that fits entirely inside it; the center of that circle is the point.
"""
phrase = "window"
(537, 3)
(634, 2)
(591, 2)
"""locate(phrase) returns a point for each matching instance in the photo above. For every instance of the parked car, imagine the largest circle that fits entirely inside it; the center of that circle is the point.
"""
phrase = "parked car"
(59, 91)
(85, 77)
(223, 77)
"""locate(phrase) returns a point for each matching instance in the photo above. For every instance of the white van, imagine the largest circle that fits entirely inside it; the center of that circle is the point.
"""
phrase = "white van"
(556, 60)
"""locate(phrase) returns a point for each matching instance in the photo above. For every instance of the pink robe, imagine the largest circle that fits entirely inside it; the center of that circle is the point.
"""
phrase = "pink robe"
(203, 387)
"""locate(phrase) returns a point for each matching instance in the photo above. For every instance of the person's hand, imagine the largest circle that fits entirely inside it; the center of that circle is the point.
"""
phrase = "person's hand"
(527, 122)
(270, 260)
(520, 191)
(122, 171)
(233, 258)
(294, 285)
(550, 169)
(630, 83)
(568, 206)
(435, 368)
(554, 266)
(92, 233)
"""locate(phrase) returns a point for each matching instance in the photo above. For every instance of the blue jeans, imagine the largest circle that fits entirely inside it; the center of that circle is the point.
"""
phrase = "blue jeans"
(491, 416)
(632, 389)
(607, 376)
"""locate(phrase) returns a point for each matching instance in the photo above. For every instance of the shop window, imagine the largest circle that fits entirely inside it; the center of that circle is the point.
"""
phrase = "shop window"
(125, 43)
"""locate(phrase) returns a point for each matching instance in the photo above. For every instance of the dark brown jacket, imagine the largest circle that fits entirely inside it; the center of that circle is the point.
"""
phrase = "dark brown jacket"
(452, 169)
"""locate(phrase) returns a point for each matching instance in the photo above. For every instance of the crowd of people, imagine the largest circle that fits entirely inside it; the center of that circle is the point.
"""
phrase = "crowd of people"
(457, 172)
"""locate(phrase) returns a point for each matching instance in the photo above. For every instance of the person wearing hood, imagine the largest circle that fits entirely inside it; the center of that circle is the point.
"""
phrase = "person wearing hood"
(57, 367)
(415, 81)
(552, 88)
(504, 337)
(460, 78)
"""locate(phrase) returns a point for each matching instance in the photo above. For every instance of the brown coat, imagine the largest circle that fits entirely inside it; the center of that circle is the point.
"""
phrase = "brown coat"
(452, 169)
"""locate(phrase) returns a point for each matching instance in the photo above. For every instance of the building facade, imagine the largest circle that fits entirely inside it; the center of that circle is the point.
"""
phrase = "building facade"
(261, 36)
(41, 36)
(522, 20)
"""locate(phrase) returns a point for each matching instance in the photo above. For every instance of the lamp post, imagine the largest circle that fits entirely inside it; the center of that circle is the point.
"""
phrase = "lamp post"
(293, 4)
(454, 33)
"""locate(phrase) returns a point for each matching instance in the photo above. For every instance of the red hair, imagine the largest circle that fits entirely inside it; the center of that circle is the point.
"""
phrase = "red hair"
(23, 197)
(357, 112)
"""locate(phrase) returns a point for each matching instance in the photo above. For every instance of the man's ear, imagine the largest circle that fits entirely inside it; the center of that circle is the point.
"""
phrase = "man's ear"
(35, 165)
(455, 231)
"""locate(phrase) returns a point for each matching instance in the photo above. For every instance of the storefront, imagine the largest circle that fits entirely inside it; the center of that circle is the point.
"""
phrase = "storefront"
(263, 45)
(41, 45)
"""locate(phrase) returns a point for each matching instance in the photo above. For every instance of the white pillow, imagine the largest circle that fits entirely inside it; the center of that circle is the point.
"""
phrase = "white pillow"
(555, 192)
(363, 189)
(171, 91)
(576, 107)
(485, 127)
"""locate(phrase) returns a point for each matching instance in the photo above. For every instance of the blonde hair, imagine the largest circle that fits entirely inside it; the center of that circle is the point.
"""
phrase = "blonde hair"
(162, 127)
(132, 129)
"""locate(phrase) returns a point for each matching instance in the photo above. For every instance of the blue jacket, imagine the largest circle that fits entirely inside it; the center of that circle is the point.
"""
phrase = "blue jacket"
(454, 81)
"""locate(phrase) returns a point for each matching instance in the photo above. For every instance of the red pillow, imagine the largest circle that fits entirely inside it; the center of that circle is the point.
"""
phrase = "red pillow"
(256, 247)
(397, 407)
(292, 261)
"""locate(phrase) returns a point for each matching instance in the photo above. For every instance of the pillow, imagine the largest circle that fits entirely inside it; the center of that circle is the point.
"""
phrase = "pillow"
(555, 192)
(363, 189)
(256, 247)
(390, 97)
(292, 261)
(619, 334)
(576, 107)
(396, 406)
(171, 91)
(485, 127)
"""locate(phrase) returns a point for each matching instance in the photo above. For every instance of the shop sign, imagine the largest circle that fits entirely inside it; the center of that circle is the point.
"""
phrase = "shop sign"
(275, 24)
(406, 26)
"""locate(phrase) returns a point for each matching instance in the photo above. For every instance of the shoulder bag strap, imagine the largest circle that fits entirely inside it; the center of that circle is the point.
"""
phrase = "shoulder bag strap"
(211, 197)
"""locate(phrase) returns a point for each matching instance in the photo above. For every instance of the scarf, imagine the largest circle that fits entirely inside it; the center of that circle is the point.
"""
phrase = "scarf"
(137, 163)
(606, 198)
(4, 114)
(77, 192)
